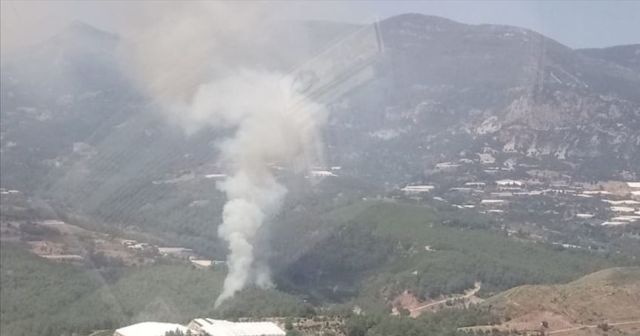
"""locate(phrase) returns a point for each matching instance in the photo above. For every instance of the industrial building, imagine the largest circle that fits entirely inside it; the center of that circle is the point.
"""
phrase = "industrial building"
(149, 329)
(226, 328)
(203, 326)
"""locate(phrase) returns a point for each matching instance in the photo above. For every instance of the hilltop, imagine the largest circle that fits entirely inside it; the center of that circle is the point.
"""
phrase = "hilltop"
(609, 296)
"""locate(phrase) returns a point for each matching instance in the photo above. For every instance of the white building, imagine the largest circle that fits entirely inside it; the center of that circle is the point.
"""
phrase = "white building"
(149, 329)
(622, 209)
(510, 183)
(622, 202)
(635, 189)
(492, 201)
(215, 176)
(177, 252)
(322, 173)
(417, 189)
(502, 194)
(128, 242)
(596, 192)
(462, 189)
(201, 263)
(227, 328)
(629, 219)
(446, 165)
(613, 223)
(633, 185)
(475, 184)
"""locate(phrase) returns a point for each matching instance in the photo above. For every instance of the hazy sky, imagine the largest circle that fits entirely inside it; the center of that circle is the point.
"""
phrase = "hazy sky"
(574, 23)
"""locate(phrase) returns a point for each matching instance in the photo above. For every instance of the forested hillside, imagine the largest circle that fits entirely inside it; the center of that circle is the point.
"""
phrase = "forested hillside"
(380, 250)
(41, 297)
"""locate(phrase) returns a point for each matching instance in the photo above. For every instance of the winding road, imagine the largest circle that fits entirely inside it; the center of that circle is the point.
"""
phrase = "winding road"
(469, 293)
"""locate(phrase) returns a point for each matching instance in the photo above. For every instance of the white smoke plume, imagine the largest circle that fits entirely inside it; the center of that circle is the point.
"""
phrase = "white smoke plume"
(174, 47)
(273, 125)
(203, 63)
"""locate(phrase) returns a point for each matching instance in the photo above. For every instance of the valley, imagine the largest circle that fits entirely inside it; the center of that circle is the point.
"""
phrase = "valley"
(386, 239)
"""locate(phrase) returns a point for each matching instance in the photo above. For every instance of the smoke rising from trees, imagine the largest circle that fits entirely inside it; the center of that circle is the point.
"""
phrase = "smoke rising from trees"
(200, 66)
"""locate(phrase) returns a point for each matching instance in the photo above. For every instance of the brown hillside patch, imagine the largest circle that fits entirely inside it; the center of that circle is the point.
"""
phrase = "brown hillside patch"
(611, 296)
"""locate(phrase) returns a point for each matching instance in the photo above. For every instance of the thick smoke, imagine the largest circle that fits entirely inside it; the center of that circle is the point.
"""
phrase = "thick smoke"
(203, 64)
(273, 125)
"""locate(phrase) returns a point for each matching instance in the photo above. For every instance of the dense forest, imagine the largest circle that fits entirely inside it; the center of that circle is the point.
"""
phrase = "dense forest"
(443, 323)
(399, 246)
(369, 252)
(44, 298)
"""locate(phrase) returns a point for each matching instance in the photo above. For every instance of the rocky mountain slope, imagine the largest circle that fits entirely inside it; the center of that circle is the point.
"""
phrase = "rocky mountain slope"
(484, 98)
(501, 95)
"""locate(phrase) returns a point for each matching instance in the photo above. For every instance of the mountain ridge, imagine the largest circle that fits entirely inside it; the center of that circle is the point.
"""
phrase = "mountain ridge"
(489, 105)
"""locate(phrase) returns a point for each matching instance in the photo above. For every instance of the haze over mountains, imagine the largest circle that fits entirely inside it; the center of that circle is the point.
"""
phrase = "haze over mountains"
(444, 91)
(458, 107)
(75, 129)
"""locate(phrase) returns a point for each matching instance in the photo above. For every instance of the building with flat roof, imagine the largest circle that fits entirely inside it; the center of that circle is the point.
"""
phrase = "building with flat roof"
(227, 328)
(417, 189)
(149, 329)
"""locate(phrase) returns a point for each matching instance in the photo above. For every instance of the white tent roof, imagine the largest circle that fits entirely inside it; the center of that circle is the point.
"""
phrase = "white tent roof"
(633, 184)
(227, 328)
(149, 329)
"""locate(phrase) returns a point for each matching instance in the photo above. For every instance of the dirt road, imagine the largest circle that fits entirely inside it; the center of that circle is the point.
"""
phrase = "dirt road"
(560, 331)
(469, 293)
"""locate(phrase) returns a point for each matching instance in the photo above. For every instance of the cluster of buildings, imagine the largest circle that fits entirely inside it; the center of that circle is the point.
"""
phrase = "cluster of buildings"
(4, 191)
(203, 326)
(627, 210)
(172, 252)
(618, 207)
